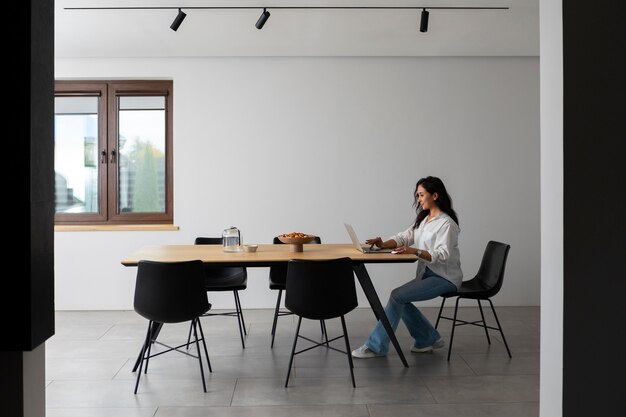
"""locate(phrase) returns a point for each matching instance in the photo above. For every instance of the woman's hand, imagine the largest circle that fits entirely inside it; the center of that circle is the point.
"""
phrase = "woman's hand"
(377, 241)
(405, 250)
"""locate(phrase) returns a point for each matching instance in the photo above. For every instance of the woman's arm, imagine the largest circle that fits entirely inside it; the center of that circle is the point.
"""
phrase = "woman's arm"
(406, 250)
(405, 238)
(447, 238)
(401, 239)
(377, 241)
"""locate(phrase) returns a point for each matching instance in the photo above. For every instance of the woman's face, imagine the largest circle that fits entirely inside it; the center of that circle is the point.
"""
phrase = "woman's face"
(426, 199)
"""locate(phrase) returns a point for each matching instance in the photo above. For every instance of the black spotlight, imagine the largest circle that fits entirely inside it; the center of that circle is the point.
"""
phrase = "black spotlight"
(424, 21)
(262, 19)
(179, 19)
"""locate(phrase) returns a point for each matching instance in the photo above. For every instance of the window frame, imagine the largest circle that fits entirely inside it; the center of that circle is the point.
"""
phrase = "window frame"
(99, 89)
(109, 92)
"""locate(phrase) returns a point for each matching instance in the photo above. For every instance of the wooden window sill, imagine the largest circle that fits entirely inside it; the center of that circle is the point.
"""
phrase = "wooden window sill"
(115, 227)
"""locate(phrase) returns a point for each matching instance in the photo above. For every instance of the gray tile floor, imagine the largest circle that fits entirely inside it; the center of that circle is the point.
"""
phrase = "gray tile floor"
(89, 370)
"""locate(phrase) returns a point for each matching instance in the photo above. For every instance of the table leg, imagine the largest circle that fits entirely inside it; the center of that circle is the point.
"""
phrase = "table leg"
(379, 311)
(154, 332)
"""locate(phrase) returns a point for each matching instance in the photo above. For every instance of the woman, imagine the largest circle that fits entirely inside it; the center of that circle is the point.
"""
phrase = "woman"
(433, 237)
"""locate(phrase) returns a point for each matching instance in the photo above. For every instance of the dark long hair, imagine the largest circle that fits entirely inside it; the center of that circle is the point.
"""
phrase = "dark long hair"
(444, 201)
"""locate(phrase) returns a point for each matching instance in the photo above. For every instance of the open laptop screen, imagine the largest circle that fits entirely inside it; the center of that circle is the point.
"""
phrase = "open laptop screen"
(359, 246)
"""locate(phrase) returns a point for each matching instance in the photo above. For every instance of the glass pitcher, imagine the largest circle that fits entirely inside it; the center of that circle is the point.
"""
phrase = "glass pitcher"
(231, 239)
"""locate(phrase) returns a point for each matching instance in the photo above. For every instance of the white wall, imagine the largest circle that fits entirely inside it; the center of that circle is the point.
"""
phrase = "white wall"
(551, 395)
(274, 145)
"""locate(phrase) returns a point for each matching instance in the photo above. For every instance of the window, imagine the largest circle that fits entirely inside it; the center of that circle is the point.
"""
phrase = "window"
(113, 152)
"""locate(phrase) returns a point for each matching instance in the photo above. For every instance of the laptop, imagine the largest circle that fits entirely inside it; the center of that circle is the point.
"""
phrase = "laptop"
(361, 247)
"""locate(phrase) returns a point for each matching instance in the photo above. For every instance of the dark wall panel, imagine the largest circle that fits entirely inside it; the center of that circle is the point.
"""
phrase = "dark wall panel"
(594, 74)
(11, 384)
(28, 175)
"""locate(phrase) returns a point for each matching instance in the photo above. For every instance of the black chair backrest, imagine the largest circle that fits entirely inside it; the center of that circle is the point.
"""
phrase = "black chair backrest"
(320, 290)
(217, 271)
(170, 292)
(209, 241)
(491, 271)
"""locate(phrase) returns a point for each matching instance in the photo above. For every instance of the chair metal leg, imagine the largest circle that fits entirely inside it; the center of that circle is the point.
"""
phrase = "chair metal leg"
(243, 344)
(500, 328)
(143, 350)
(348, 350)
(324, 332)
(189, 335)
(150, 342)
(293, 350)
(195, 333)
(240, 311)
(456, 308)
(280, 293)
(484, 322)
(443, 301)
(206, 352)
(154, 332)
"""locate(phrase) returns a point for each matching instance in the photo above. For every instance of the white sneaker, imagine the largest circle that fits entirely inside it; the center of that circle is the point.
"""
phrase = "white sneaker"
(365, 353)
(437, 345)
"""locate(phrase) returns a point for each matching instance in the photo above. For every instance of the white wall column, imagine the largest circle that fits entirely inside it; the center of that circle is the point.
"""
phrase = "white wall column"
(551, 69)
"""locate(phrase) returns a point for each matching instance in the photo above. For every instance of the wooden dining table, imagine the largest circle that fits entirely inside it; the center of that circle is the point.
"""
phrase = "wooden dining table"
(268, 255)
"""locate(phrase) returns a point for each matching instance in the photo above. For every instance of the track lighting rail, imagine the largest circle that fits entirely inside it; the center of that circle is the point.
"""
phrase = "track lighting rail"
(287, 7)
(266, 14)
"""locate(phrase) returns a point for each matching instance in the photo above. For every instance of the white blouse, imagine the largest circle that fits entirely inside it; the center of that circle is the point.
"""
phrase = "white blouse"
(440, 238)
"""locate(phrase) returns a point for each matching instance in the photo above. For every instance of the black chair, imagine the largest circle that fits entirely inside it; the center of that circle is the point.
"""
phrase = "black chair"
(225, 279)
(170, 292)
(483, 286)
(278, 278)
(320, 290)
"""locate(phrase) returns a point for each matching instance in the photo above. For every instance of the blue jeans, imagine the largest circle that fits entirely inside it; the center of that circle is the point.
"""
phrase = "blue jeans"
(400, 306)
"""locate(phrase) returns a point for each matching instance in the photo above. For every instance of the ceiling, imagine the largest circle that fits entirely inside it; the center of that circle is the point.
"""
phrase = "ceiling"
(146, 33)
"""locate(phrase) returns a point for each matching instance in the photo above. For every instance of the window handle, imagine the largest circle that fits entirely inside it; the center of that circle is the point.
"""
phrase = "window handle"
(103, 158)
(113, 154)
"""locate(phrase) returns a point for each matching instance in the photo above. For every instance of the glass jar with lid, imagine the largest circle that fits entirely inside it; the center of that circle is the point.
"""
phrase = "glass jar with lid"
(231, 238)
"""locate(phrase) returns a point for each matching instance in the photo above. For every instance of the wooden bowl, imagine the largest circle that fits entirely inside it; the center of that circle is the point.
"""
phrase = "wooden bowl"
(296, 242)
